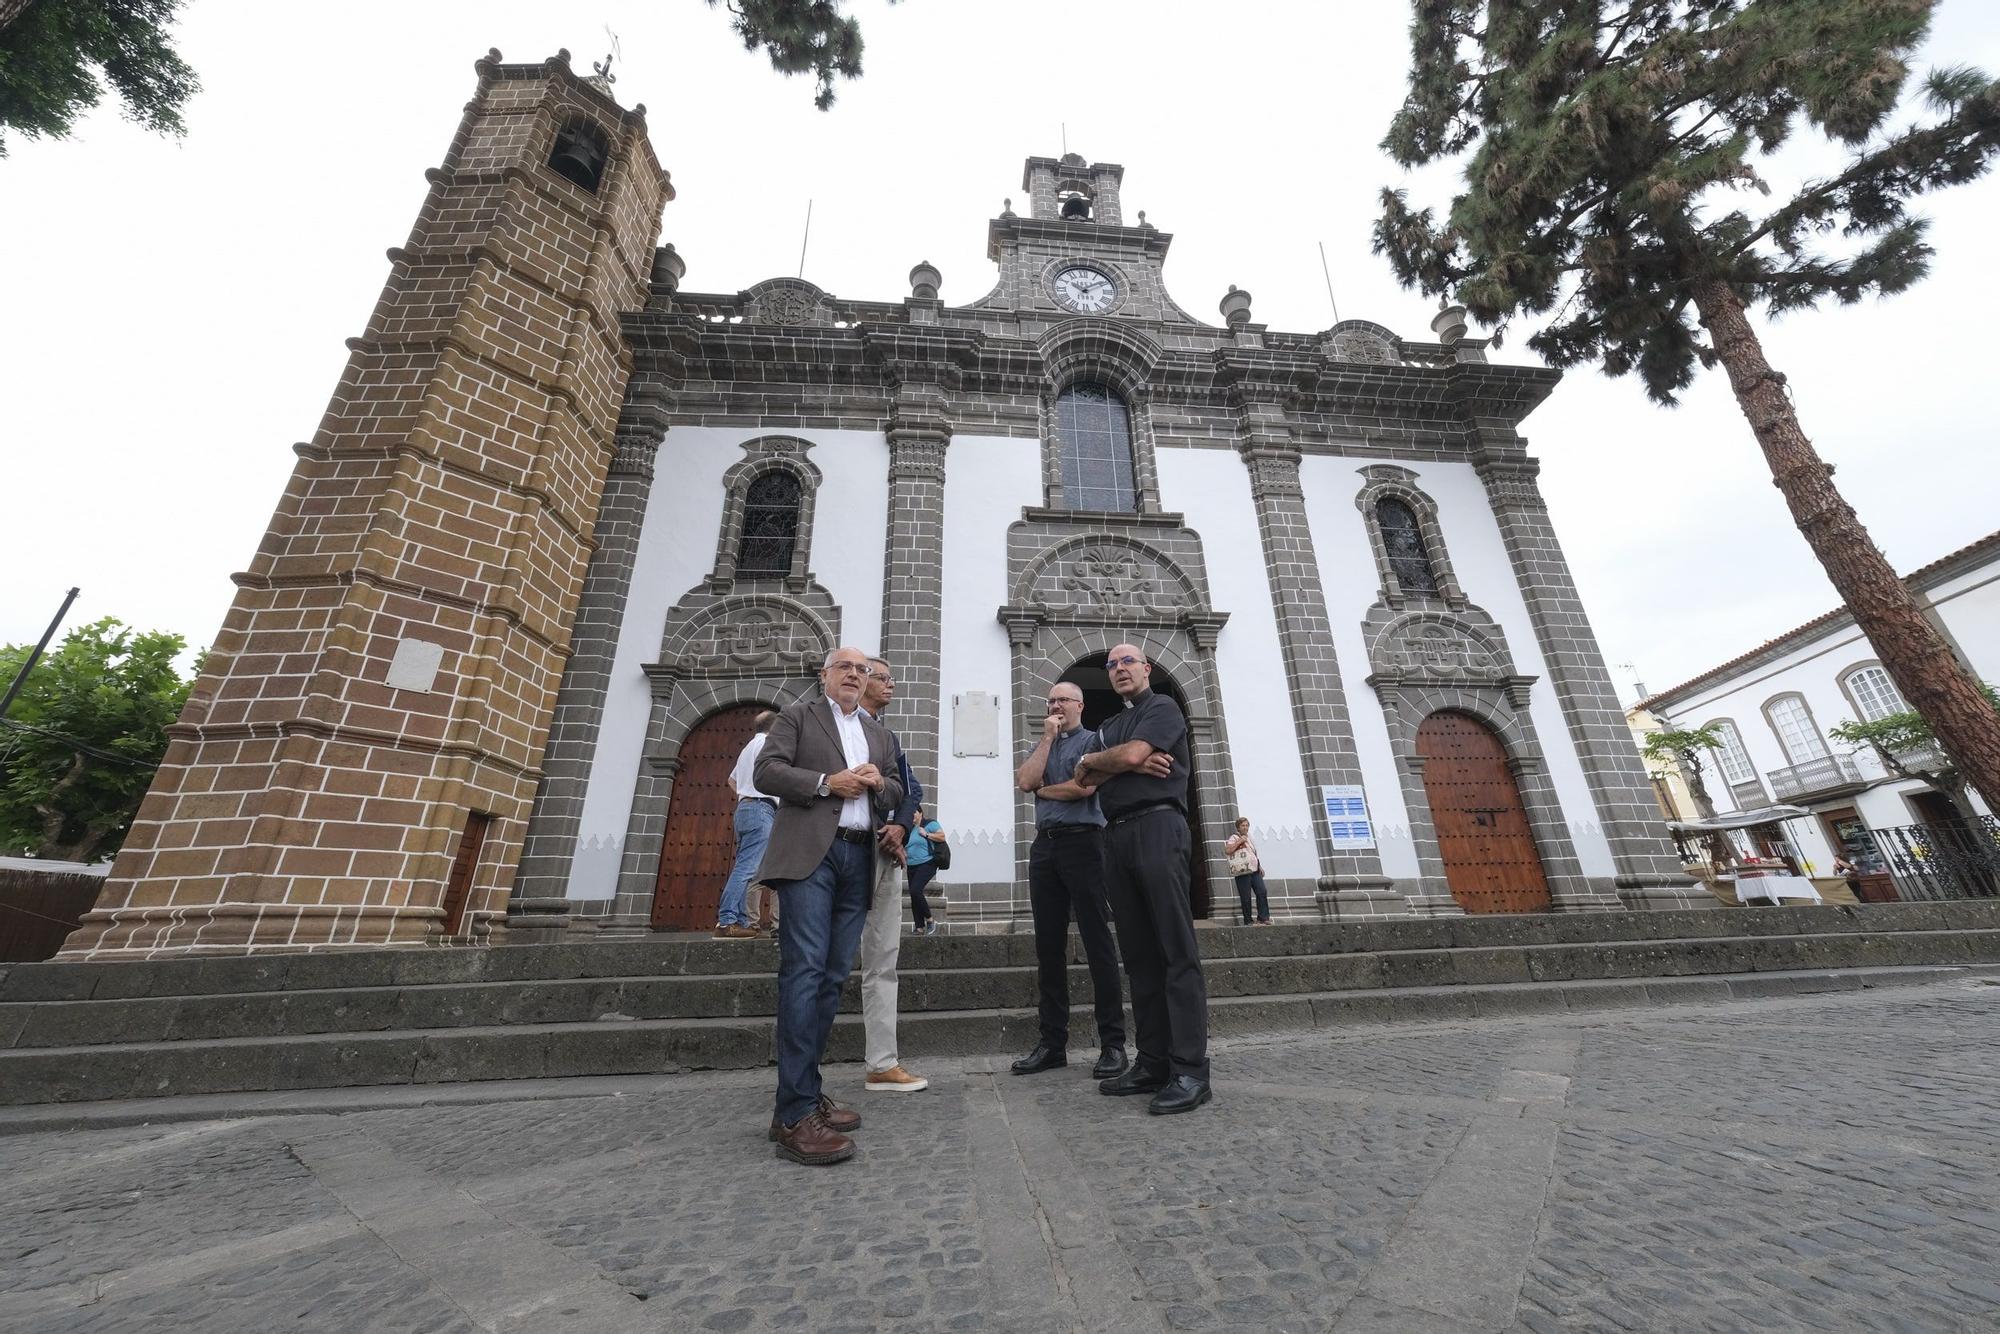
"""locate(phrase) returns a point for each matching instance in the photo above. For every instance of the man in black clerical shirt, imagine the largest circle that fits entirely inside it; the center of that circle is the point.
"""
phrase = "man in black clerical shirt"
(1146, 873)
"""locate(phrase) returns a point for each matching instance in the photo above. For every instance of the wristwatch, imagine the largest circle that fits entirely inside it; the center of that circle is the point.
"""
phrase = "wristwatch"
(824, 790)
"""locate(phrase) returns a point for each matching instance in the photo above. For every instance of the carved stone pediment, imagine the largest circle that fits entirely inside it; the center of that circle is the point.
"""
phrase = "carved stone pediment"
(750, 636)
(1363, 347)
(1430, 646)
(789, 301)
(1107, 579)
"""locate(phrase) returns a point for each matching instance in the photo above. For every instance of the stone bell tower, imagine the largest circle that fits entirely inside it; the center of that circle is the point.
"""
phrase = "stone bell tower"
(356, 762)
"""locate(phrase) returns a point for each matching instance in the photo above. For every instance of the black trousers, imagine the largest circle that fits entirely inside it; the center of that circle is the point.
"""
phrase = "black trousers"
(1065, 878)
(919, 878)
(1146, 874)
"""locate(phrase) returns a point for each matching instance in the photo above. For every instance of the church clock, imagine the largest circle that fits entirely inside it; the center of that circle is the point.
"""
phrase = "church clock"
(1083, 290)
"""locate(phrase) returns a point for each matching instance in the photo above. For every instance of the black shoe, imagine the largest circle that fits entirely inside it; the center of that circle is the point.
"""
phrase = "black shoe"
(1136, 1080)
(1183, 1093)
(1043, 1057)
(1111, 1064)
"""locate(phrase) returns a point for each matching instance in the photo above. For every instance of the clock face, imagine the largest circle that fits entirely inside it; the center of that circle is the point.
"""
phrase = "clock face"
(1085, 291)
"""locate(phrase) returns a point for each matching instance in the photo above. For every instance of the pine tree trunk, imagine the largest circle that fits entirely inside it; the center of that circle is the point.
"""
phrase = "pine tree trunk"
(1916, 656)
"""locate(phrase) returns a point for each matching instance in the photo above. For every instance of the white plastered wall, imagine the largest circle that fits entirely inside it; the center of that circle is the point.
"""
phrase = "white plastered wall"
(676, 552)
(989, 480)
(1212, 488)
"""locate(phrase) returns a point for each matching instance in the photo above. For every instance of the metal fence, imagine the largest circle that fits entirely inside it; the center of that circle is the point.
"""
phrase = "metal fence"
(1955, 861)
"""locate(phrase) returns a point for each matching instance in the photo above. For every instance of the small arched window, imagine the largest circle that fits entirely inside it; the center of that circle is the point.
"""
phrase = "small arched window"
(1874, 694)
(770, 525)
(1094, 428)
(1403, 539)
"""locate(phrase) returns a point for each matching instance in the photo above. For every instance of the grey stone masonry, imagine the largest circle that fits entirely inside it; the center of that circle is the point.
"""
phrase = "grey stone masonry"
(539, 904)
(1649, 874)
(913, 591)
(1351, 880)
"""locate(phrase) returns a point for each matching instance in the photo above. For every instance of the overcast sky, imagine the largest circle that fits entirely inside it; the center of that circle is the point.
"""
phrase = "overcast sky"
(174, 312)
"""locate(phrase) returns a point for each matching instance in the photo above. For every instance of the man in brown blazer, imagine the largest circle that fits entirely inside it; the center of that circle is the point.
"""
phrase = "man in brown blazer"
(833, 770)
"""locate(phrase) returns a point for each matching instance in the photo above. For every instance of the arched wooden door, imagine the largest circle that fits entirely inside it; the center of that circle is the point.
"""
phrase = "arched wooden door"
(1490, 861)
(700, 843)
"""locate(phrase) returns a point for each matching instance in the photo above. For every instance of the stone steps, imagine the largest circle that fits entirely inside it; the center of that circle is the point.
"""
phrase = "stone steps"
(654, 1046)
(233, 1024)
(753, 994)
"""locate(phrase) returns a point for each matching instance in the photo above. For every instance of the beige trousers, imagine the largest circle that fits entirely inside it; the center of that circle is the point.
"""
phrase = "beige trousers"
(881, 943)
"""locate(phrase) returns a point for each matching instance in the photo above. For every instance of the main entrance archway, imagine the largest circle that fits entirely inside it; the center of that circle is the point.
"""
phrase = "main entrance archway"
(1491, 864)
(1101, 703)
(700, 842)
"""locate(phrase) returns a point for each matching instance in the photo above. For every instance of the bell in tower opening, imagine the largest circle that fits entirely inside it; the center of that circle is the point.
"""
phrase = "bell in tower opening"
(1075, 206)
(579, 154)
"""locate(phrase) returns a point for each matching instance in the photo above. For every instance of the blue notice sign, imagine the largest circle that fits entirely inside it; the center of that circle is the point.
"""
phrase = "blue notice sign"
(1347, 816)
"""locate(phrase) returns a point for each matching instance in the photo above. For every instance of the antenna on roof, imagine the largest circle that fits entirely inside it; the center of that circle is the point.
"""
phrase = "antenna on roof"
(807, 237)
(1065, 138)
(1329, 282)
(1637, 684)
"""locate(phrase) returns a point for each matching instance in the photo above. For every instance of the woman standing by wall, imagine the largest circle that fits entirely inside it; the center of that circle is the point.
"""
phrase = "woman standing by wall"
(923, 866)
(1248, 869)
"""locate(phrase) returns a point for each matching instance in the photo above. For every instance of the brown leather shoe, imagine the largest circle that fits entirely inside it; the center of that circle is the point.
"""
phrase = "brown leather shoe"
(813, 1142)
(843, 1120)
(735, 933)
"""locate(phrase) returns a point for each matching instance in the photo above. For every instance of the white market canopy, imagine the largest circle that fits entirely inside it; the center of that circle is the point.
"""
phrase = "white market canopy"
(1737, 820)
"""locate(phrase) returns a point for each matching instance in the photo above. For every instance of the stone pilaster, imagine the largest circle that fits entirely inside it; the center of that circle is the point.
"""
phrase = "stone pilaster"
(1648, 873)
(1351, 882)
(913, 584)
(540, 904)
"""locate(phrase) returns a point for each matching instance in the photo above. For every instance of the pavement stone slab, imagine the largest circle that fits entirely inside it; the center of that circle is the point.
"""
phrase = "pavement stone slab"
(1814, 1162)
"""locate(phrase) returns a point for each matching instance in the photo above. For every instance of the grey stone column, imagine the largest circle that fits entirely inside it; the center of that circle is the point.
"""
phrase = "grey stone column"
(1649, 874)
(1351, 882)
(539, 906)
(913, 588)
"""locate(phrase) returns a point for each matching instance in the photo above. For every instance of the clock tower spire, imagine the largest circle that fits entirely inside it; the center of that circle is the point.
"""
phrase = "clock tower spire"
(1073, 255)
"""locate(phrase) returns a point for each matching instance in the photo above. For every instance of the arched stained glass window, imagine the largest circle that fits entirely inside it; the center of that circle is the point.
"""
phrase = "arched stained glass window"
(1403, 539)
(770, 525)
(1095, 431)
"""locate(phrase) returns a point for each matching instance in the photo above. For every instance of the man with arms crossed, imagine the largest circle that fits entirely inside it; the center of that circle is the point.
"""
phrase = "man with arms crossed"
(829, 765)
(1065, 875)
(882, 936)
(1146, 846)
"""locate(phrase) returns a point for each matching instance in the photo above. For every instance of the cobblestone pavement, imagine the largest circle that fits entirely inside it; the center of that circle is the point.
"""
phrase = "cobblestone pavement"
(1812, 1163)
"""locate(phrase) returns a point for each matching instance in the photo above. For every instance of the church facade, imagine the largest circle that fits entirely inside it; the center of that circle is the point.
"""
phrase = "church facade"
(1331, 545)
(564, 529)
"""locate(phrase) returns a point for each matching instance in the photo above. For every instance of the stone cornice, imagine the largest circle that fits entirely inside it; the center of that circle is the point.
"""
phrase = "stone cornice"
(1082, 237)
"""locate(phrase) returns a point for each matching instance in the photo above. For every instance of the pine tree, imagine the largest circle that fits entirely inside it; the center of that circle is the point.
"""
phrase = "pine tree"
(57, 55)
(802, 36)
(1611, 153)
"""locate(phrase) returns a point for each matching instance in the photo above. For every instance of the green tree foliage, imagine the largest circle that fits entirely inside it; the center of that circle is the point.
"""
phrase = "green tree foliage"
(56, 57)
(1684, 747)
(801, 37)
(80, 743)
(1616, 185)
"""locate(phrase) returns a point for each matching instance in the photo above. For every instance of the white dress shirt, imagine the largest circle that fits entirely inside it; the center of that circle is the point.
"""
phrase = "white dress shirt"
(744, 776)
(854, 812)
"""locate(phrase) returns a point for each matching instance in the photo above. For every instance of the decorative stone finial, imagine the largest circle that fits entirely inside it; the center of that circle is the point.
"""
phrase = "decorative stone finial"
(1236, 307)
(1142, 219)
(1449, 323)
(1006, 208)
(668, 268)
(924, 281)
(601, 78)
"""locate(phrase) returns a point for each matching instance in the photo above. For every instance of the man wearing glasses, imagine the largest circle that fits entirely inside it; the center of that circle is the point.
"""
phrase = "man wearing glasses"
(1146, 849)
(1065, 877)
(832, 769)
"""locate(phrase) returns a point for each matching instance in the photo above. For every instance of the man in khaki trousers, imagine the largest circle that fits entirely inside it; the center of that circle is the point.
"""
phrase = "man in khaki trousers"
(882, 935)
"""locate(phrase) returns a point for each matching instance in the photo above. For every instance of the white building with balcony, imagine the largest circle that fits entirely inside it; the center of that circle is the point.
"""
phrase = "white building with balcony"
(1776, 706)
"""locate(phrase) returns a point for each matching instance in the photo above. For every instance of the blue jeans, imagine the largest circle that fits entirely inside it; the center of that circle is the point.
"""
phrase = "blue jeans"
(753, 831)
(819, 929)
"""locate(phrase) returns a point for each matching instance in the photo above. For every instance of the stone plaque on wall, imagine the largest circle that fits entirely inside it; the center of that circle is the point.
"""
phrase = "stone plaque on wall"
(975, 723)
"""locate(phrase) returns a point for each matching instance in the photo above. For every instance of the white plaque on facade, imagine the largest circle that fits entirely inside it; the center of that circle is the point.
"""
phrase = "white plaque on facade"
(1347, 816)
(415, 666)
(975, 723)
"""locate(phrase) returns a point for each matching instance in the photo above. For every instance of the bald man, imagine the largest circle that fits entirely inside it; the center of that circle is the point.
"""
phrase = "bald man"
(1140, 775)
